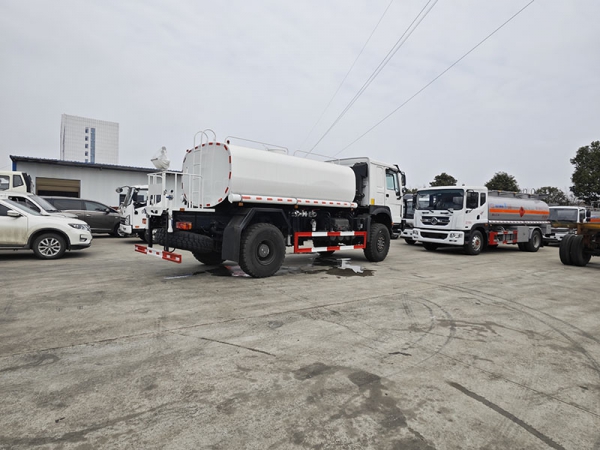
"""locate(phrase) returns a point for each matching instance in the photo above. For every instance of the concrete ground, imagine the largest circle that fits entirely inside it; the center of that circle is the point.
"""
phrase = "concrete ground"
(108, 348)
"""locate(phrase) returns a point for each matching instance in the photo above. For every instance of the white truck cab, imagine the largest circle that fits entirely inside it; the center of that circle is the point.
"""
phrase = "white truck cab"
(560, 218)
(132, 210)
(15, 181)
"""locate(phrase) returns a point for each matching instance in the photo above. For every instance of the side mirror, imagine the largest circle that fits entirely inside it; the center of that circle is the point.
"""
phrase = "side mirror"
(11, 213)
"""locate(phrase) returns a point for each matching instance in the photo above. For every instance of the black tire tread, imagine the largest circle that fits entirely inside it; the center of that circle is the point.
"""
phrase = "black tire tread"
(564, 250)
(371, 252)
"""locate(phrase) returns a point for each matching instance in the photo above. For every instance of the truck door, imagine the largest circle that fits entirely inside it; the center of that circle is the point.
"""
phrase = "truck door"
(475, 208)
(393, 195)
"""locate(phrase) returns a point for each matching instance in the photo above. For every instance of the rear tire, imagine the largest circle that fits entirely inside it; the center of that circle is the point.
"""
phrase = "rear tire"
(475, 244)
(49, 246)
(577, 251)
(534, 244)
(564, 250)
(521, 246)
(378, 244)
(210, 259)
(430, 246)
(262, 250)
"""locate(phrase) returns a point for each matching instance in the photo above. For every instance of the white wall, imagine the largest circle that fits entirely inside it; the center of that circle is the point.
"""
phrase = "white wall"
(96, 184)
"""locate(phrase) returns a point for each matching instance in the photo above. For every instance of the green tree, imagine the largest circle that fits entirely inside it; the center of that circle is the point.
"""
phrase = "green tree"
(586, 177)
(553, 195)
(501, 181)
(443, 179)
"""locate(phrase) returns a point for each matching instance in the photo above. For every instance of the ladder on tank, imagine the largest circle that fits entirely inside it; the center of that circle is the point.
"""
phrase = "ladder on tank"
(195, 179)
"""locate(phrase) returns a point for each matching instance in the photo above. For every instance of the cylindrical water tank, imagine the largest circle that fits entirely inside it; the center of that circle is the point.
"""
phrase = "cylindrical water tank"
(214, 171)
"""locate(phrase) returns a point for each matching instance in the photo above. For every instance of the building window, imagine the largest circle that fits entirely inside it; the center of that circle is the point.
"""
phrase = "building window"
(86, 146)
(86, 138)
(87, 130)
(86, 153)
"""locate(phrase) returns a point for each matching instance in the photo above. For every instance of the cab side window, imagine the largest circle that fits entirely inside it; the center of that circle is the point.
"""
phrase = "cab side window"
(482, 199)
(472, 200)
(17, 181)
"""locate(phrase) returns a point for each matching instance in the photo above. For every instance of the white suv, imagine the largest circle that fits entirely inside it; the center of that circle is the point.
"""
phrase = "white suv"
(49, 237)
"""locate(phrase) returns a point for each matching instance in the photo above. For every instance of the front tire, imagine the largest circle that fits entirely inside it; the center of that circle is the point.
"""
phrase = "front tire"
(378, 244)
(262, 250)
(475, 244)
(430, 246)
(49, 246)
(410, 241)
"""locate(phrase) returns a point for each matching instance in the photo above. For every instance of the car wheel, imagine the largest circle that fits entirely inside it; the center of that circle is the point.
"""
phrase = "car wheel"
(115, 231)
(49, 246)
(410, 241)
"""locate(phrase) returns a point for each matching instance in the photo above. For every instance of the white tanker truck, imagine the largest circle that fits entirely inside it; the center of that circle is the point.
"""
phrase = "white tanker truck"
(475, 218)
(247, 205)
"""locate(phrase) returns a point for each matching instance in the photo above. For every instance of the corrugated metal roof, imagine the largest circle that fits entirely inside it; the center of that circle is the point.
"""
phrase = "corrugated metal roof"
(59, 162)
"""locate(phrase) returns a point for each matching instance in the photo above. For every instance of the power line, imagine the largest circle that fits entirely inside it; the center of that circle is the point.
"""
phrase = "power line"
(347, 73)
(435, 79)
(399, 43)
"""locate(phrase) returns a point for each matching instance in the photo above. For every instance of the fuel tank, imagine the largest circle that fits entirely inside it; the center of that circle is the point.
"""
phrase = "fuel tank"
(214, 172)
(505, 207)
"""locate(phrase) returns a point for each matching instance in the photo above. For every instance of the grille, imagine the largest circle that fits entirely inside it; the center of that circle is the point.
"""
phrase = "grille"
(425, 234)
(441, 221)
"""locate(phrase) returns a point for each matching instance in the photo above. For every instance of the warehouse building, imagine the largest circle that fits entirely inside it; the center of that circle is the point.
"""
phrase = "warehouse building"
(91, 181)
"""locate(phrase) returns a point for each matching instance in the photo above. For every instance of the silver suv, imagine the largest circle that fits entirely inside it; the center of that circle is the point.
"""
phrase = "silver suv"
(22, 228)
(34, 202)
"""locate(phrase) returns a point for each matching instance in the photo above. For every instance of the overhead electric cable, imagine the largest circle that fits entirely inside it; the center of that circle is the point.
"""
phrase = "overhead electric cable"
(399, 43)
(347, 73)
(435, 79)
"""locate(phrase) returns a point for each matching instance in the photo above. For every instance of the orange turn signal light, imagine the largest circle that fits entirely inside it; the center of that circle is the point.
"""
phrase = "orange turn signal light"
(183, 225)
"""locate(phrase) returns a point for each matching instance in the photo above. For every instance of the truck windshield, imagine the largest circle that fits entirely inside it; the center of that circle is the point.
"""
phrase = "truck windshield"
(563, 215)
(440, 199)
(135, 195)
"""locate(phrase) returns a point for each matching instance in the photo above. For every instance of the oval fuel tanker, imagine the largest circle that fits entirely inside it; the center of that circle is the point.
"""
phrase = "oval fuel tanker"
(504, 208)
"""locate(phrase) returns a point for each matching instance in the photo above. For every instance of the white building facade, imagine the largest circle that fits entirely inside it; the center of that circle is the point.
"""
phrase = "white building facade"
(89, 140)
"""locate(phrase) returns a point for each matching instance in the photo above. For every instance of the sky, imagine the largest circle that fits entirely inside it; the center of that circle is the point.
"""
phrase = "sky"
(282, 72)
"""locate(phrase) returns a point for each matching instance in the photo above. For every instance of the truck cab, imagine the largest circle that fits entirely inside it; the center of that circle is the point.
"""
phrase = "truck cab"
(564, 220)
(132, 210)
(15, 181)
(380, 184)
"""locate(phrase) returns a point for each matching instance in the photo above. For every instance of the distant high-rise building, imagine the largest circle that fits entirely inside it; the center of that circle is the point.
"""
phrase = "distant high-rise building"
(89, 140)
